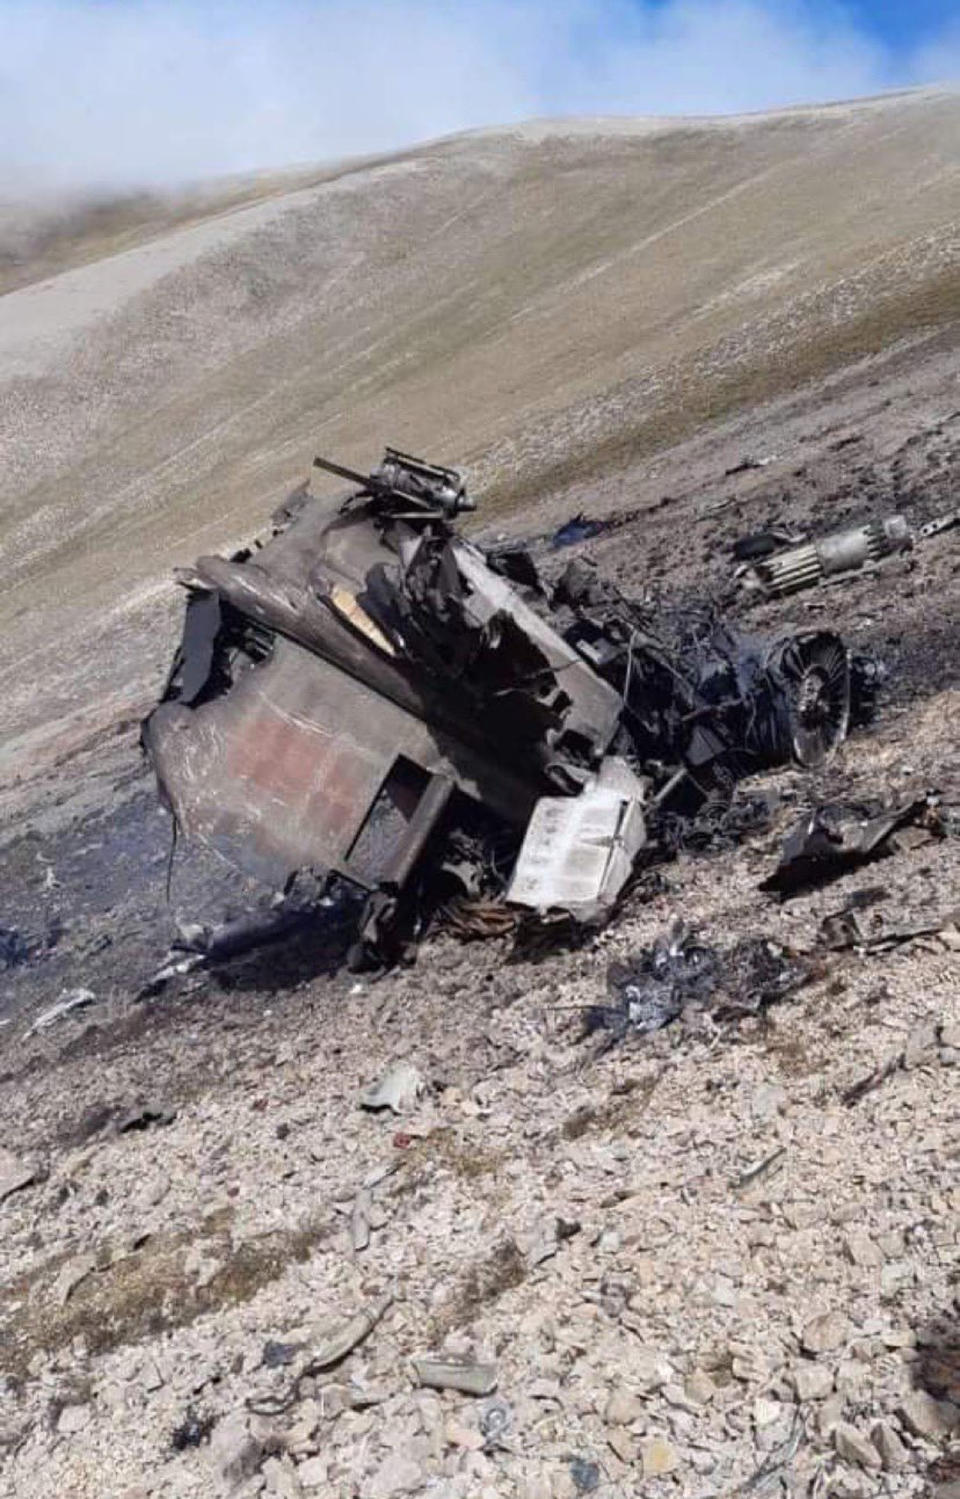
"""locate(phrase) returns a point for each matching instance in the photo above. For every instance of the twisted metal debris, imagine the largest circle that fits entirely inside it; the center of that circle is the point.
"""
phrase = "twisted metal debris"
(366, 696)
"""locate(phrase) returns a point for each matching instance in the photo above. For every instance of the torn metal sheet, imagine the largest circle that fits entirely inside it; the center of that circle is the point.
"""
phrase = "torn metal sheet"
(466, 1375)
(578, 852)
(831, 840)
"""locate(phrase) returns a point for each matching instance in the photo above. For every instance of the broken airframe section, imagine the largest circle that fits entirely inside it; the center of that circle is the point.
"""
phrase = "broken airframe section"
(366, 697)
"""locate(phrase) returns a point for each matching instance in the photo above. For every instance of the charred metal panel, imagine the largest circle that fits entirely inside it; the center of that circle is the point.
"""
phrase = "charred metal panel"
(279, 773)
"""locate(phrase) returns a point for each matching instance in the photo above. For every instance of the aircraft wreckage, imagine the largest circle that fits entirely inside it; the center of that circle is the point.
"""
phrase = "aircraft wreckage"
(367, 696)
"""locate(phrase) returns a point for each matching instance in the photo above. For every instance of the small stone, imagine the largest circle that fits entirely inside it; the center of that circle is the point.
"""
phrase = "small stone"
(623, 1408)
(537, 1486)
(853, 1447)
(658, 1457)
(73, 1418)
(396, 1475)
(281, 1478)
(200, 1266)
(234, 1450)
(154, 1191)
(892, 1244)
(830, 1413)
(649, 1369)
(921, 1046)
(812, 1381)
(334, 1398)
(623, 1444)
(467, 1438)
(898, 1337)
(824, 1333)
(861, 1250)
(895, 1276)
(893, 1454)
(469, 1376)
(14, 1175)
(313, 1473)
(927, 1417)
(71, 1275)
(699, 1388)
(702, 1462)
(852, 1377)
(298, 1439)
(950, 1035)
(674, 1395)
(765, 1412)
(725, 1293)
(585, 1474)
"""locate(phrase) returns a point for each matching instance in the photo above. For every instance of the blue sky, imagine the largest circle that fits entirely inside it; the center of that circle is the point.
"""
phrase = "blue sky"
(901, 24)
(130, 92)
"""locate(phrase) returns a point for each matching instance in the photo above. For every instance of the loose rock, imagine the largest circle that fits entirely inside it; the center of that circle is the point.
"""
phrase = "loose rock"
(73, 1418)
(927, 1417)
(812, 1381)
(699, 1387)
(893, 1454)
(396, 1475)
(854, 1448)
(623, 1408)
(234, 1451)
(658, 1457)
(14, 1174)
(824, 1333)
(313, 1473)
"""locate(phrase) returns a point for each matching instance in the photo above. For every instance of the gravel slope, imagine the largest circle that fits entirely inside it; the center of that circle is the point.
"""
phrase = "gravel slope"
(753, 1286)
(763, 1280)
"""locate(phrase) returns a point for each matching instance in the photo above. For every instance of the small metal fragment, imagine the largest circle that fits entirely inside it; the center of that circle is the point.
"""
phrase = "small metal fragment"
(585, 1475)
(450, 1373)
(322, 1356)
(496, 1423)
(398, 1089)
(360, 1221)
(346, 1338)
(279, 1355)
(762, 1168)
(766, 1479)
(76, 999)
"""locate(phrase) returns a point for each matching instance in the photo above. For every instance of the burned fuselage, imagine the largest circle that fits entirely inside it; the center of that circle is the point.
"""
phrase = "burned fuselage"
(364, 684)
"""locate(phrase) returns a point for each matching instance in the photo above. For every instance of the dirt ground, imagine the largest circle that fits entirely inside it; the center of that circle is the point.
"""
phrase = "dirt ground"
(699, 1266)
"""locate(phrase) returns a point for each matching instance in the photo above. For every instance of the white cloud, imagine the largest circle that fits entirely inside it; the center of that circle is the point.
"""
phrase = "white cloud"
(129, 92)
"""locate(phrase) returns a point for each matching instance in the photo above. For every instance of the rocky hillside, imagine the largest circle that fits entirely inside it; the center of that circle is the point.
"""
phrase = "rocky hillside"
(717, 1261)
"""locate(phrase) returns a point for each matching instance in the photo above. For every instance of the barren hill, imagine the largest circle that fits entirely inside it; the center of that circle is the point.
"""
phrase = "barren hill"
(544, 304)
